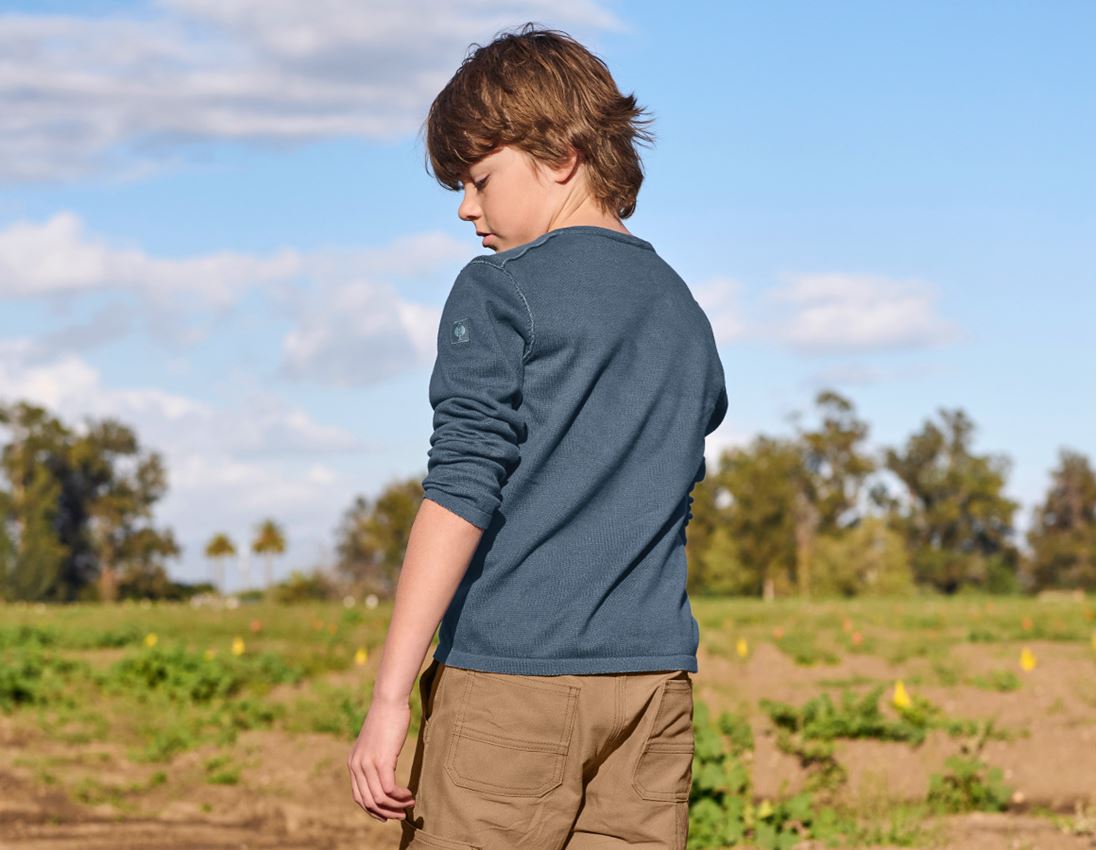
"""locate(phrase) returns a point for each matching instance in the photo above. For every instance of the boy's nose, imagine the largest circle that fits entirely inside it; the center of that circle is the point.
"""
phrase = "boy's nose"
(468, 209)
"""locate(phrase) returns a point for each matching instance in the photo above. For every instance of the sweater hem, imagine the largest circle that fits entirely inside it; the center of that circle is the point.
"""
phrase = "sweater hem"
(564, 666)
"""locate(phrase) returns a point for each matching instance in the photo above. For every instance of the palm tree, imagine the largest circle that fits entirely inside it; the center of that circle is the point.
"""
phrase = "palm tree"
(219, 547)
(269, 541)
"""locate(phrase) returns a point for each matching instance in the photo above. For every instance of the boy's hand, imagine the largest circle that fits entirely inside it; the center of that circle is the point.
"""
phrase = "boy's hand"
(372, 761)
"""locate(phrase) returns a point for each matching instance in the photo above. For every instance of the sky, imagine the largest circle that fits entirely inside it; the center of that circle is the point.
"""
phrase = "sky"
(216, 226)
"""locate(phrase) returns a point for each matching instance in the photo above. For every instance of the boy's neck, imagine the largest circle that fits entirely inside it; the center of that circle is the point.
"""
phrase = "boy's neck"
(591, 221)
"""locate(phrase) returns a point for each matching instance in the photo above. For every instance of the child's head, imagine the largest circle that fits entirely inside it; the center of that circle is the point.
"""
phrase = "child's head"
(540, 119)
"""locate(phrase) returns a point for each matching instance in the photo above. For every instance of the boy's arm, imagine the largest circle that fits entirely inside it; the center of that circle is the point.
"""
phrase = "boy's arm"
(484, 336)
(439, 548)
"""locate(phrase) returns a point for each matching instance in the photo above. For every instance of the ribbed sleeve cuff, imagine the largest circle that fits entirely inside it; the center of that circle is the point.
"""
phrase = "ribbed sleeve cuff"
(461, 507)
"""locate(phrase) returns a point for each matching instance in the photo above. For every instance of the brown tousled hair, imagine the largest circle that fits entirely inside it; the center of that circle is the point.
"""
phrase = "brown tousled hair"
(542, 92)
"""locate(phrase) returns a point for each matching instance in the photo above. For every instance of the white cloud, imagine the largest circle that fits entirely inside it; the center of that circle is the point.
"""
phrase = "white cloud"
(58, 256)
(357, 333)
(720, 298)
(122, 93)
(350, 325)
(841, 312)
(259, 424)
(227, 467)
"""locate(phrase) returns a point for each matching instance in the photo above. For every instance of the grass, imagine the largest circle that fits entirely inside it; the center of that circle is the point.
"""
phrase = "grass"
(186, 691)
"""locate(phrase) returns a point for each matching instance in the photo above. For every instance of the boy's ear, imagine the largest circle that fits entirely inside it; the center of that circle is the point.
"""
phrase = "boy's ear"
(566, 170)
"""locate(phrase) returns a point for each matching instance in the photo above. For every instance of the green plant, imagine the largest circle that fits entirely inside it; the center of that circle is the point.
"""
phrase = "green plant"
(997, 680)
(820, 719)
(186, 676)
(220, 770)
(33, 676)
(722, 812)
(801, 647)
(969, 783)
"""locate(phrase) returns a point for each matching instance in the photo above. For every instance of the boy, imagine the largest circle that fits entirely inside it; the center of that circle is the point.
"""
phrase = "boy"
(576, 378)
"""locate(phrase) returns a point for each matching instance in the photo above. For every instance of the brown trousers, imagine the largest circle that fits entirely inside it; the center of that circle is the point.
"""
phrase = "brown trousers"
(571, 762)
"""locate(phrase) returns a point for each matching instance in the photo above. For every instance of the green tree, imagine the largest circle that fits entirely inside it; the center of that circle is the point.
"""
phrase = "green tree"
(219, 549)
(835, 465)
(142, 572)
(41, 563)
(709, 551)
(763, 480)
(718, 568)
(7, 543)
(954, 515)
(1063, 532)
(837, 459)
(39, 560)
(79, 506)
(269, 541)
(867, 559)
(305, 587)
(371, 540)
(118, 485)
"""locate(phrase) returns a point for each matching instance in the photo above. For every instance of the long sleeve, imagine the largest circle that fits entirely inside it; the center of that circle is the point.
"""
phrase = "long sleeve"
(719, 413)
(484, 337)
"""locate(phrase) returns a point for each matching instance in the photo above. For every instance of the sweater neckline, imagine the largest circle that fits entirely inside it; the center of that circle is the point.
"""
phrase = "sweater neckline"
(630, 238)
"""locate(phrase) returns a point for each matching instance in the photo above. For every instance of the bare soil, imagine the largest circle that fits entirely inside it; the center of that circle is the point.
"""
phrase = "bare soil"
(294, 791)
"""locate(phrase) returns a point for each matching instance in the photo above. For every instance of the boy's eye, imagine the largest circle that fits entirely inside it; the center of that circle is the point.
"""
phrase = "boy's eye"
(479, 184)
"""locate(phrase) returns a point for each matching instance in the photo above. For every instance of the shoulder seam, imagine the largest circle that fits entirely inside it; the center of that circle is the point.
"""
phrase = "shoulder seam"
(540, 240)
(529, 312)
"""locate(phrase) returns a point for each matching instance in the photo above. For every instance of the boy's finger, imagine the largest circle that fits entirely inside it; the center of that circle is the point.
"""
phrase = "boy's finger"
(399, 791)
(387, 775)
(362, 788)
(358, 785)
(388, 805)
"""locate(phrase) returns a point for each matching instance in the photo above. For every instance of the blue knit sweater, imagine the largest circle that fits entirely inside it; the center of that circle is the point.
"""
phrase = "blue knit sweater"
(576, 378)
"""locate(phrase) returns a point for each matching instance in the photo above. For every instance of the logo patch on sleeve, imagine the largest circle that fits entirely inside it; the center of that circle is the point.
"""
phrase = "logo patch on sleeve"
(460, 331)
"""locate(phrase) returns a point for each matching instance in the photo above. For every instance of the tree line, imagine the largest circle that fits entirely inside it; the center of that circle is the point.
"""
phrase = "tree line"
(76, 515)
(817, 513)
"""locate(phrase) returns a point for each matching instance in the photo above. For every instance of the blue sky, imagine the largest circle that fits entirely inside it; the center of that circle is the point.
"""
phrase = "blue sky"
(215, 225)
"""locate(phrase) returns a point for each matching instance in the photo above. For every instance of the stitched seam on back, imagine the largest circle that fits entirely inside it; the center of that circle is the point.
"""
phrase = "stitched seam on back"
(532, 329)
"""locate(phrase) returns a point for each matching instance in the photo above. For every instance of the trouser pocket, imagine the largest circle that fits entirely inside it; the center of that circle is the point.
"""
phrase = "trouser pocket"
(664, 770)
(512, 733)
(427, 681)
(417, 838)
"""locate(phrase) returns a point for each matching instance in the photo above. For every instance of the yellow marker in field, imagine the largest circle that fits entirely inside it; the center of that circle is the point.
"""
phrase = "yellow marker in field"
(238, 646)
(1027, 659)
(1094, 640)
(150, 639)
(360, 656)
(742, 648)
(901, 698)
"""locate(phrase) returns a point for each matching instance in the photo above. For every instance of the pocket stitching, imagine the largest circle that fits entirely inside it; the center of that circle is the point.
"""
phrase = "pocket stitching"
(650, 746)
(552, 687)
(418, 836)
(559, 750)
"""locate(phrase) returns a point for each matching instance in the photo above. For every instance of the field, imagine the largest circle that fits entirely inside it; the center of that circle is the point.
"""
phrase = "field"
(965, 722)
